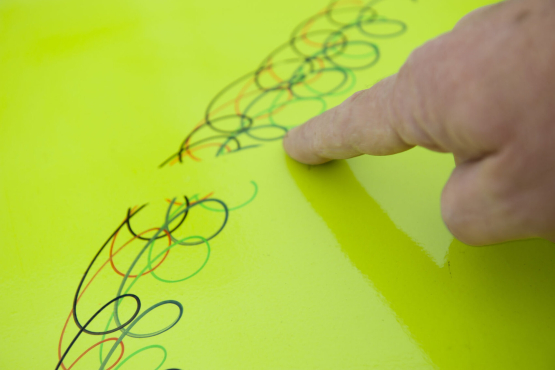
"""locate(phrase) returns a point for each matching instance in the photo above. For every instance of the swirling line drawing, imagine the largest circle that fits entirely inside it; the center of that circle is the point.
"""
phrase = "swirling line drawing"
(244, 114)
(315, 64)
(176, 214)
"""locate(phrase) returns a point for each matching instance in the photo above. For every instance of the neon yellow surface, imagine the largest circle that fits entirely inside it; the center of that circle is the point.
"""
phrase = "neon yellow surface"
(340, 266)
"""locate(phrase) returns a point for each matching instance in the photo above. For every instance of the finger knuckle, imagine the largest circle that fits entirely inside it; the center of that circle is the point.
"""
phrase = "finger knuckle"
(412, 106)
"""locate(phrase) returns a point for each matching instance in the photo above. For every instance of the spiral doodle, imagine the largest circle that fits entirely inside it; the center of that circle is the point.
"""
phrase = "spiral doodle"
(175, 216)
(319, 61)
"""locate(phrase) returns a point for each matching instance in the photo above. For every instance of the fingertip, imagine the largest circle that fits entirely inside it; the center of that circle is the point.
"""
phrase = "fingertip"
(289, 143)
(297, 146)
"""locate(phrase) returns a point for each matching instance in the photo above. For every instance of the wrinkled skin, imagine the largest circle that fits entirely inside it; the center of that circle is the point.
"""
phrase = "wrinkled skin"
(484, 92)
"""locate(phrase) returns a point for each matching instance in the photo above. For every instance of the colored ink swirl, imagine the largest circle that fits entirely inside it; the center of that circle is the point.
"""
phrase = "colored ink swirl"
(176, 216)
(319, 61)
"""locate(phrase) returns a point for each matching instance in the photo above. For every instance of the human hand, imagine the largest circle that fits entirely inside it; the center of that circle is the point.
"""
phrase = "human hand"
(484, 92)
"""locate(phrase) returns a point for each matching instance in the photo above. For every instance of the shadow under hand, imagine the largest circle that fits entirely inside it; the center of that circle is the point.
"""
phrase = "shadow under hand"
(487, 308)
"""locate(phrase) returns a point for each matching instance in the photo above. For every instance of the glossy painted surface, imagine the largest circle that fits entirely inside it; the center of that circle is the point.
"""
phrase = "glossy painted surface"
(340, 266)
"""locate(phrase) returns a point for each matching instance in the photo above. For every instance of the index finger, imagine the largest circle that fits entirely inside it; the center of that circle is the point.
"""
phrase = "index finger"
(362, 124)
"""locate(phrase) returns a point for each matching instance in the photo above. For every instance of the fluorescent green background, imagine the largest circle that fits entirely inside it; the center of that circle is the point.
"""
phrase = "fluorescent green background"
(342, 266)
